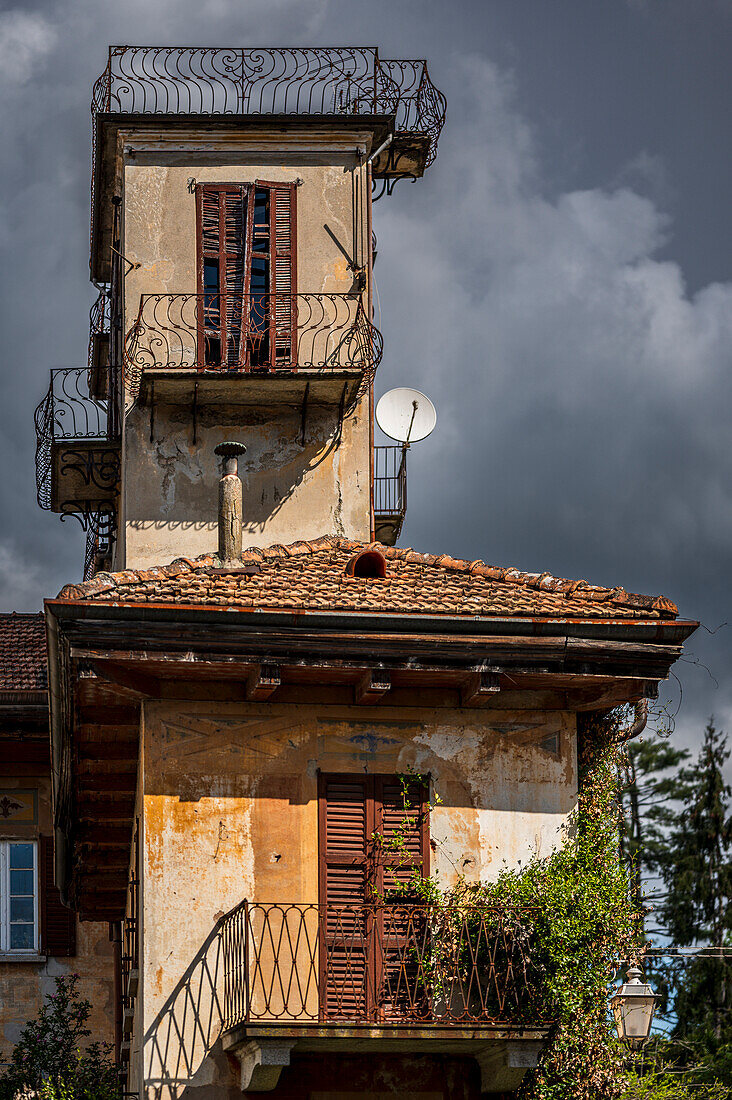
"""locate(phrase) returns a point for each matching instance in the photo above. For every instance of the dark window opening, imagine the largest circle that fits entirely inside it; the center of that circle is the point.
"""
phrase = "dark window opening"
(246, 251)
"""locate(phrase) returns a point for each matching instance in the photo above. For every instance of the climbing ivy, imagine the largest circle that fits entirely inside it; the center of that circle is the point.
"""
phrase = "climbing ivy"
(581, 922)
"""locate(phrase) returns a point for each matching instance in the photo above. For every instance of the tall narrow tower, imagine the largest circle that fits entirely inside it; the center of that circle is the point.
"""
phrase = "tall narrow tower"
(231, 240)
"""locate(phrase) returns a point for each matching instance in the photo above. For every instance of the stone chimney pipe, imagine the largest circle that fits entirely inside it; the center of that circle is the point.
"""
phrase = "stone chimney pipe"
(230, 505)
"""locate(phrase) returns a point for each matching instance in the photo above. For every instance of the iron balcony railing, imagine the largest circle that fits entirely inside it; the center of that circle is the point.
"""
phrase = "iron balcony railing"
(393, 964)
(255, 332)
(67, 413)
(77, 442)
(202, 80)
(390, 481)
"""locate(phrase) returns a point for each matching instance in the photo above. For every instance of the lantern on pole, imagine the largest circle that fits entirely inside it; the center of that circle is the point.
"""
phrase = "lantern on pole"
(633, 1006)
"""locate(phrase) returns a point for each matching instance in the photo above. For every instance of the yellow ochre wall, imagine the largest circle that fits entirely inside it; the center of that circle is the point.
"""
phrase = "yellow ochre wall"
(229, 812)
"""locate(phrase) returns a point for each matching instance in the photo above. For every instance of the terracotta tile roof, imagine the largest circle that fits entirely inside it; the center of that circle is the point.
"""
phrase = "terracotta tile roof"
(311, 576)
(23, 663)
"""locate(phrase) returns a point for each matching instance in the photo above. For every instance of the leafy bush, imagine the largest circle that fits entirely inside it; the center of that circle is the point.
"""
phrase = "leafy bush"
(50, 1059)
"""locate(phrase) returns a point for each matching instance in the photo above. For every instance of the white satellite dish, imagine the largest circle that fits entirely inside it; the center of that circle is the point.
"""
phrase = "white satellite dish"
(405, 415)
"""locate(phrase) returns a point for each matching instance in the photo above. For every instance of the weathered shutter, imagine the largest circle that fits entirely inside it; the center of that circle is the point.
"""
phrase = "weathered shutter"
(58, 924)
(402, 820)
(283, 272)
(223, 217)
(402, 823)
(346, 825)
(374, 833)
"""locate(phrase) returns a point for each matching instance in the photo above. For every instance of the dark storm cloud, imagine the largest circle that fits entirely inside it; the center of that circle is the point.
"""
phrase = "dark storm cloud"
(559, 283)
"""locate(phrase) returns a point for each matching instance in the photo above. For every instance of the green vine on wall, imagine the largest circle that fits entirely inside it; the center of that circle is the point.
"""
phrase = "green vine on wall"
(582, 922)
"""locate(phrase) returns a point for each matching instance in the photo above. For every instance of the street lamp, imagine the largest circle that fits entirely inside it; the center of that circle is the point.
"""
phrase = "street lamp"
(633, 1006)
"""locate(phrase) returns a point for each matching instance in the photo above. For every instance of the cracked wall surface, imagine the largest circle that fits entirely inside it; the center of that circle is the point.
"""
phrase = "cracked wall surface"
(229, 812)
(307, 471)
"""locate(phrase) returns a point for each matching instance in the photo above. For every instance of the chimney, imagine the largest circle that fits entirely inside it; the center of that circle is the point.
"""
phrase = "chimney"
(230, 508)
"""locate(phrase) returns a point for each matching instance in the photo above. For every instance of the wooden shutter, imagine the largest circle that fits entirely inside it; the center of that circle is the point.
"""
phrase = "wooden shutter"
(402, 819)
(346, 824)
(283, 272)
(223, 216)
(360, 953)
(58, 924)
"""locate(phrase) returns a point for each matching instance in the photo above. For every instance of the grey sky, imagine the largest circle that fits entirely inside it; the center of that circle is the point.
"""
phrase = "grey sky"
(560, 283)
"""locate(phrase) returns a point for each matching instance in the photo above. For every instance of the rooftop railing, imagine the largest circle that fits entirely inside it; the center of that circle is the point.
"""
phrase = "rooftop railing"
(202, 80)
(255, 332)
(394, 964)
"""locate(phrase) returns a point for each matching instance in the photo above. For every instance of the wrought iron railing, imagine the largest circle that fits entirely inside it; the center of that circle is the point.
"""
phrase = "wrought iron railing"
(247, 333)
(230, 81)
(99, 321)
(71, 416)
(130, 959)
(101, 532)
(390, 481)
(395, 964)
(67, 412)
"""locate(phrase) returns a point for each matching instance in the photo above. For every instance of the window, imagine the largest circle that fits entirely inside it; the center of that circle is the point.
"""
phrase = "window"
(246, 276)
(18, 896)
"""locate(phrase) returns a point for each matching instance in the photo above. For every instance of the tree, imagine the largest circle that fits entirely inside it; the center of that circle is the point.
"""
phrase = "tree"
(698, 879)
(49, 1058)
(649, 788)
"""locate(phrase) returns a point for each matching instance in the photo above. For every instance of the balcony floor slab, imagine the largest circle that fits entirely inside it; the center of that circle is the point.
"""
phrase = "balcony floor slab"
(503, 1054)
(182, 387)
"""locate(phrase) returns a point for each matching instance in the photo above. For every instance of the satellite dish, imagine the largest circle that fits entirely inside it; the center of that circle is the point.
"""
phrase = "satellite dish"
(405, 415)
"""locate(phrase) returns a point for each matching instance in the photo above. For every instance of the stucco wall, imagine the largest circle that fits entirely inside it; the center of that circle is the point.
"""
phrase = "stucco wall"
(24, 985)
(230, 812)
(293, 489)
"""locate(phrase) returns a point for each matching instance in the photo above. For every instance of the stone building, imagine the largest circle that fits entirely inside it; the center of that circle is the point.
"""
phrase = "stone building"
(40, 937)
(254, 753)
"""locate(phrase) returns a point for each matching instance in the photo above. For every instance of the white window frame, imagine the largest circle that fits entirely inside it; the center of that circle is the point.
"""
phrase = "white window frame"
(5, 948)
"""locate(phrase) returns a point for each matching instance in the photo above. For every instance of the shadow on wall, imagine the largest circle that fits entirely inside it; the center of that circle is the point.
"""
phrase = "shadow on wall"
(181, 1047)
(177, 480)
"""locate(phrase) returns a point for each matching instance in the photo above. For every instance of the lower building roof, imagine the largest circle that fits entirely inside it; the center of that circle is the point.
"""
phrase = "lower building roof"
(314, 576)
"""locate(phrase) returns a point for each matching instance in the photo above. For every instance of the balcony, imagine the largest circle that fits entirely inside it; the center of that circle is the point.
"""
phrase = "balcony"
(78, 457)
(383, 978)
(331, 81)
(389, 493)
(280, 344)
(393, 99)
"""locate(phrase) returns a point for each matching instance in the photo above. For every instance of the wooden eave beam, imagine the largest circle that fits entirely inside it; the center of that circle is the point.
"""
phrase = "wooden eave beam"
(372, 687)
(133, 681)
(479, 688)
(262, 682)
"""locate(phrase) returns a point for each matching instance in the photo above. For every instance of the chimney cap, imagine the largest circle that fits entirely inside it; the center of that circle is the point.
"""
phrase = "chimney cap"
(230, 449)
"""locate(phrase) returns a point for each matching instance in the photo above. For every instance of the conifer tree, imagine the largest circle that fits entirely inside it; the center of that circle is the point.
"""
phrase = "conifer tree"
(697, 910)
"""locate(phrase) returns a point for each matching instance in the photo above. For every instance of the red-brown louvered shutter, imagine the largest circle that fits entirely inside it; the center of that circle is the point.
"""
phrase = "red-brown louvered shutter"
(402, 819)
(402, 823)
(223, 213)
(346, 826)
(283, 272)
(58, 924)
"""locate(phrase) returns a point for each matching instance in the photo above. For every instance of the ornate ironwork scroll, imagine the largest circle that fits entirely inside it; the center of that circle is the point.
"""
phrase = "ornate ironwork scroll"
(332, 332)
